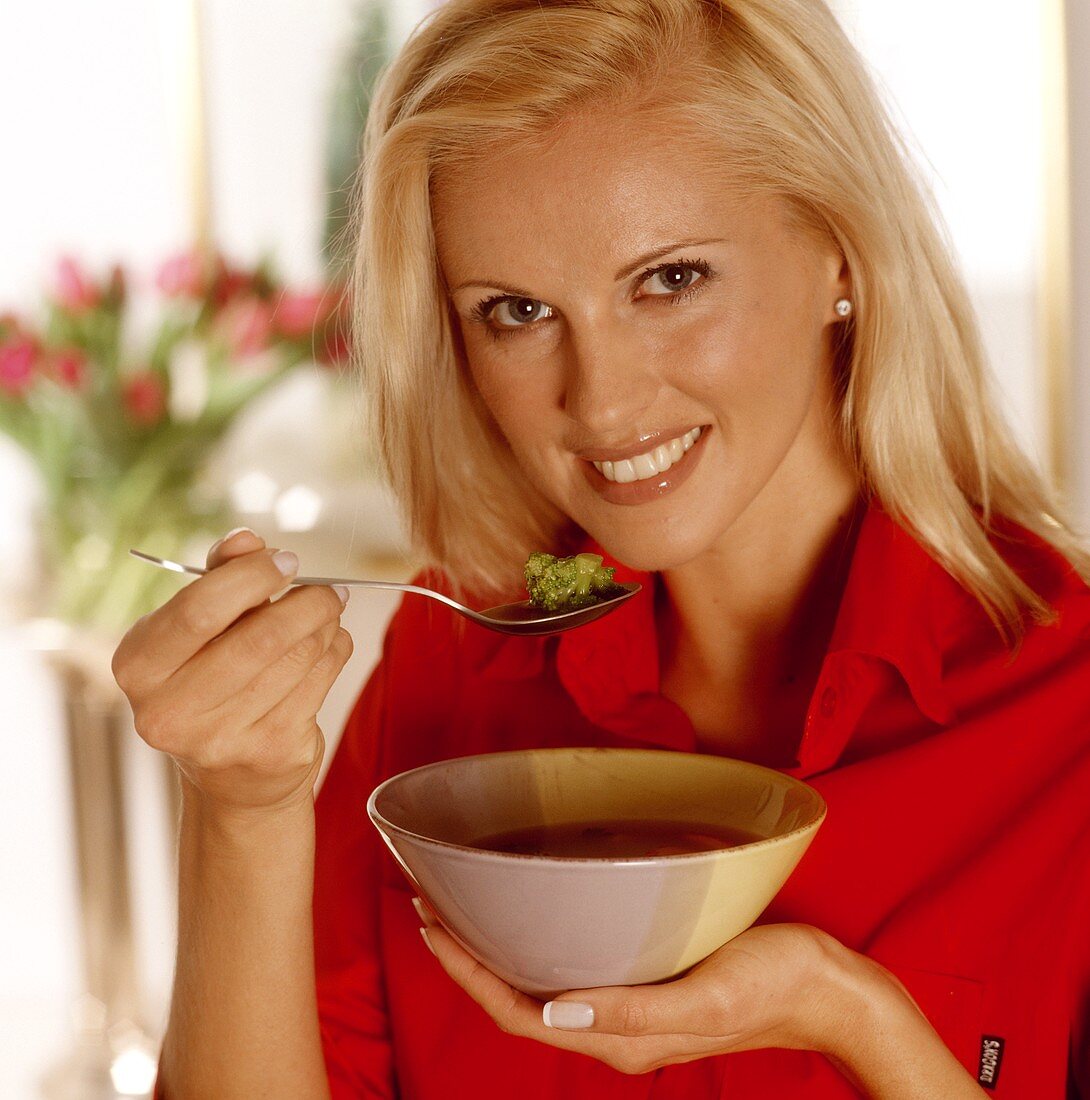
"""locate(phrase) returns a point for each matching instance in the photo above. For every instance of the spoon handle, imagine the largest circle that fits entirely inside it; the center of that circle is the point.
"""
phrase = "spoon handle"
(348, 582)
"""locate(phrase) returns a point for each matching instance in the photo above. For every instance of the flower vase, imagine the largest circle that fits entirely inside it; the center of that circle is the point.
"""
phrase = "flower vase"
(113, 1054)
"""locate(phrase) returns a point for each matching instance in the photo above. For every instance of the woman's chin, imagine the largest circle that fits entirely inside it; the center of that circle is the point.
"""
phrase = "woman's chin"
(649, 554)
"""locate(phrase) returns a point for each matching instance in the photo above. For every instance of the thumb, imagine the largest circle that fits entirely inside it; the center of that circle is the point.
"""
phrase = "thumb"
(676, 1008)
(235, 543)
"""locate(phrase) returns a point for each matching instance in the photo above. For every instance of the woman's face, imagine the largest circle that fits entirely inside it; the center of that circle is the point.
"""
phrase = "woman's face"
(655, 348)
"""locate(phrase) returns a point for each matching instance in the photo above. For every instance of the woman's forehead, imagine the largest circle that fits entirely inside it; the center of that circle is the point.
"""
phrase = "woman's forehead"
(612, 184)
(594, 142)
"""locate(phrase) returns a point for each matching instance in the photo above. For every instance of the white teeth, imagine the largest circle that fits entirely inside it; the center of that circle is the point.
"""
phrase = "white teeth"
(644, 466)
(649, 464)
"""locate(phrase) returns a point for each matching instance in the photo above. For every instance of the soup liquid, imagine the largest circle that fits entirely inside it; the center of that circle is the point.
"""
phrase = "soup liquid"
(616, 839)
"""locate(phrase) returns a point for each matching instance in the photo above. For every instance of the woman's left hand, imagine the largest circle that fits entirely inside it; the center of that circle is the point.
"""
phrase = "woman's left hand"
(782, 985)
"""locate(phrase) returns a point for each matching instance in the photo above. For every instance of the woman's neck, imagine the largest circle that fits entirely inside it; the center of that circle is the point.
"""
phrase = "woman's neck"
(744, 627)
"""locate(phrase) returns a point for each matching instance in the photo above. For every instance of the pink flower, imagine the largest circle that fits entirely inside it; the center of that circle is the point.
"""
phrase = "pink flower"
(74, 290)
(17, 359)
(230, 283)
(248, 327)
(144, 397)
(298, 315)
(182, 276)
(69, 367)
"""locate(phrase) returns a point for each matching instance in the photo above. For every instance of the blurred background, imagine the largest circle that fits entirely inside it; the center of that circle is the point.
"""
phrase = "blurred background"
(172, 364)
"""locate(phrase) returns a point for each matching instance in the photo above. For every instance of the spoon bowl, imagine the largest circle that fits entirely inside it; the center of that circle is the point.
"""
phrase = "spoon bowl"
(507, 618)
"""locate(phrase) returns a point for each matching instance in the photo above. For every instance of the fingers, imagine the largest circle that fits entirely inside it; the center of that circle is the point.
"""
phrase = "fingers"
(239, 541)
(274, 647)
(160, 643)
(513, 1011)
(274, 683)
(306, 695)
(517, 1014)
(673, 1008)
(229, 683)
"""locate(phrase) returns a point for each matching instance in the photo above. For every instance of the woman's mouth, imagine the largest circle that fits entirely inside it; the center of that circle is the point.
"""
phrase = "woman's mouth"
(649, 474)
(650, 463)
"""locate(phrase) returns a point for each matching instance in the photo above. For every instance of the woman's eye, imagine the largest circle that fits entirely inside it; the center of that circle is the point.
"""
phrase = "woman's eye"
(672, 278)
(516, 312)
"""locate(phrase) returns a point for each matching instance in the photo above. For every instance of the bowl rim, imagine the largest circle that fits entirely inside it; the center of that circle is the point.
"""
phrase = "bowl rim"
(384, 825)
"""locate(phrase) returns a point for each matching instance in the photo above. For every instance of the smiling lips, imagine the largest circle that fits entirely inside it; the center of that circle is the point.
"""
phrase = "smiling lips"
(645, 477)
(650, 463)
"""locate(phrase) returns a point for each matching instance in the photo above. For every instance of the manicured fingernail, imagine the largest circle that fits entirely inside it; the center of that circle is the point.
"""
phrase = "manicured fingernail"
(286, 562)
(427, 942)
(421, 912)
(342, 592)
(237, 531)
(568, 1015)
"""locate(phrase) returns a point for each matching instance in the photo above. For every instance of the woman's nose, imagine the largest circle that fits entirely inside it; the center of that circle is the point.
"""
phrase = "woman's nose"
(609, 382)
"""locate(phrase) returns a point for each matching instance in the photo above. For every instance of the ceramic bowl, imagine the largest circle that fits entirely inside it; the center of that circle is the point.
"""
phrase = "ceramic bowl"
(546, 924)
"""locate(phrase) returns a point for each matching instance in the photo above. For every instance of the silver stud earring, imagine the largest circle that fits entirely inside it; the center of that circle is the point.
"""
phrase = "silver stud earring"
(843, 307)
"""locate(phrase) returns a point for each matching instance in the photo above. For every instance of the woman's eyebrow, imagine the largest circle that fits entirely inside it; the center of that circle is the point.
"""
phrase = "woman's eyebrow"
(650, 257)
(628, 269)
(493, 284)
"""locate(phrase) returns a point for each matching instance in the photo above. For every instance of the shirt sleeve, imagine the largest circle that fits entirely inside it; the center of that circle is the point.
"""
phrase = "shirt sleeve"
(351, 998)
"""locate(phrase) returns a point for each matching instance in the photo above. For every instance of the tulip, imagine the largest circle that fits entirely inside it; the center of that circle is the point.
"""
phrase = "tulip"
(69, 367)
(17, 360)
(74, 290)
(229, 284)
(182, 276)
(248, 327)
(298, 315)
(144, 397)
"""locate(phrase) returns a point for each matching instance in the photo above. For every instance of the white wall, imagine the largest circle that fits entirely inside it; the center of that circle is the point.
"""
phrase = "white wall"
(963, 78)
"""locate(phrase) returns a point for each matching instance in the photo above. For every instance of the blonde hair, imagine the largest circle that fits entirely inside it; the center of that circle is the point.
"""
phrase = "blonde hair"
(780, 85)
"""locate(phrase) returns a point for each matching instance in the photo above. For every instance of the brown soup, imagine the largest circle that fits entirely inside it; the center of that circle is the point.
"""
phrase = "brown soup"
(616, 839)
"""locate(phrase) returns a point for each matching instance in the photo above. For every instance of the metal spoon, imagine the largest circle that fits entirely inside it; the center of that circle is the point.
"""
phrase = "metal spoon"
(507, 618)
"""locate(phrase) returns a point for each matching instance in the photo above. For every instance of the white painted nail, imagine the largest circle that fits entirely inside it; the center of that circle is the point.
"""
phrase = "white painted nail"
(286, 562)
(236, 531)
(568, 1015)
(427, 942)
(421, 912)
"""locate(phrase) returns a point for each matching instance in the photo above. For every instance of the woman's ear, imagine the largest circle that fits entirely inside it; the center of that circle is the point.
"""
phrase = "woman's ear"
(844, 280)
(838, 286)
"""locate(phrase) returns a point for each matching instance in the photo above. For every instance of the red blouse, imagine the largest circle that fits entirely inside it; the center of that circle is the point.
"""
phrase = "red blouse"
(956, 850)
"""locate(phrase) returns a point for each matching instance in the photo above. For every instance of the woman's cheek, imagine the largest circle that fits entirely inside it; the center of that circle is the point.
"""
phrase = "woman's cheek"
(517, 390)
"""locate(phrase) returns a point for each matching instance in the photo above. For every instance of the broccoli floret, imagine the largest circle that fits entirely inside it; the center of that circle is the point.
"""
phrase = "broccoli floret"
(564, 584)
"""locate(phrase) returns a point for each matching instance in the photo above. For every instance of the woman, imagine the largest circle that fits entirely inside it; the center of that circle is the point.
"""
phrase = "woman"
(653, 276)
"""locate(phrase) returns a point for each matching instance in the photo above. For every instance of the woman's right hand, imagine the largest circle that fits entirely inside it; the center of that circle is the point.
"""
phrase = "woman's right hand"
(230, 684)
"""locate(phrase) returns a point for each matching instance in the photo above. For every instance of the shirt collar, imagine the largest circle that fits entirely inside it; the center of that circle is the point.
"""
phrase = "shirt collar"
(888, 611)
(894, 606)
